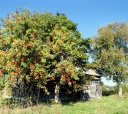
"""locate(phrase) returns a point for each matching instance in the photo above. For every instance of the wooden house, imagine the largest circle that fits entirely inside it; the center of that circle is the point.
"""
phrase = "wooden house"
(94, 88)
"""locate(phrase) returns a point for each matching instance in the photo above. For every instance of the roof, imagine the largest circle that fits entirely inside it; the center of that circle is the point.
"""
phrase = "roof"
(93, 72)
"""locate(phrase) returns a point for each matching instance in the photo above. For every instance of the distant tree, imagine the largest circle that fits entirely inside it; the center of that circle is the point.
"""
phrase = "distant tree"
(102, 83)
(111, 51)
(36, 48)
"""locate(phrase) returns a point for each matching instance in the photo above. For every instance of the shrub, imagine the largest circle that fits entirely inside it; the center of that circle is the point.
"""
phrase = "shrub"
(124, 88)
(106, 91)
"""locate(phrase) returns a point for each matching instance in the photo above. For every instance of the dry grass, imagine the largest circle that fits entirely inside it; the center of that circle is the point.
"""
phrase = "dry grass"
(105, 105)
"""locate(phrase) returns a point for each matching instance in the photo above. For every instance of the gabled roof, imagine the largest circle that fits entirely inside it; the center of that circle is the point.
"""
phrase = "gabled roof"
(92, 72)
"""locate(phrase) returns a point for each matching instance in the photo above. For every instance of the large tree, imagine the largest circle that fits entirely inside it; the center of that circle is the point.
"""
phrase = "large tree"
(111, 51)
(36, 48)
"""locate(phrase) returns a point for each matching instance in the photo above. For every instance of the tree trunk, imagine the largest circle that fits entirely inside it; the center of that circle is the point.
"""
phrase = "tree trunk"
(38, 96)
(119, 87)
(119, 90)
(56, 94)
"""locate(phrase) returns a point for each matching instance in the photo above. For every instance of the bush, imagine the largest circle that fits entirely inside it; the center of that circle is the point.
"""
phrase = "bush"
(40, 48)
(116, 89)
(106, 91)
(124, 88)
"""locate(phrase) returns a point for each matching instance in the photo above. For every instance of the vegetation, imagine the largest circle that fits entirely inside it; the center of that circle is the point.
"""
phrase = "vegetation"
(107, 90)
(110, 51)
(37, 48)
(113, 90)
(124, 88)
(118, 105)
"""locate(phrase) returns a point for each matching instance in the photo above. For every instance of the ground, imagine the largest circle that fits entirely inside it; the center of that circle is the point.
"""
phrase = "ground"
(106, 105)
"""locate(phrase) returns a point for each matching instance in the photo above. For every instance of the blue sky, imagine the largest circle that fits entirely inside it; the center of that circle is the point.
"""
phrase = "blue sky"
(89, 14)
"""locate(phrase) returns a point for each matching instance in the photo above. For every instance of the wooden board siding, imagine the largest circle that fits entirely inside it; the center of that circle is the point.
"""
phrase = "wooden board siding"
(92, 91)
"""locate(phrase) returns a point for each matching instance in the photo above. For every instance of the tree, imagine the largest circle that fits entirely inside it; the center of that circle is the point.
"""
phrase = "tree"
(111, 51)
(36, 48)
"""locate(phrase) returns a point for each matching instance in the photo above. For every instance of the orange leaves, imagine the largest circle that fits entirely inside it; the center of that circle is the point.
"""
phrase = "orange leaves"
(59, 51)
(4, 42)
(21, 76)
(26, 33)
(2, 70)
(44, 72)
(16, 64)
(14, 77)
(22, 50)
(34, 39)
(38, 48)
(32, 36)
(54, 63)
(52, 78)
(23, 59)
(63, 77)
(52, 46)
(70, 70)
(14, 15)
(30, 45)
(74, 82)
(12, 63)
(24, 43)
(13, 81)
(2, 53)
(2, 60)
(9, 55)
(59, 42)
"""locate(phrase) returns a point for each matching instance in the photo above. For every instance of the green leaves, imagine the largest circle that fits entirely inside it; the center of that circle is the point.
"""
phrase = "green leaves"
(110, 49)
(40, 47)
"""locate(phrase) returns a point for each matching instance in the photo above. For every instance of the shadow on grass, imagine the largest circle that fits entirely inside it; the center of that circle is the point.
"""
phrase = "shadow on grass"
(14, 103)
(108, 93)
(70, 102)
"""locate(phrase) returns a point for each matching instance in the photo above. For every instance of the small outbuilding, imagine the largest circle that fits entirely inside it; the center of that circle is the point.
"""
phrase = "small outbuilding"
(94, 88)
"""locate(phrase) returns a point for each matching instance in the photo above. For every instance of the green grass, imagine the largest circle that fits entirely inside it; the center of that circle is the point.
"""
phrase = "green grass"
(105, 105)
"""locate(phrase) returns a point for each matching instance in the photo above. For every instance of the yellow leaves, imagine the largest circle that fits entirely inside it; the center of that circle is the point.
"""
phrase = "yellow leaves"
(9, 55)
(32, 36)
(58, 42)
(21, 76)
(8, 64)
(12, 28)
(2, 53)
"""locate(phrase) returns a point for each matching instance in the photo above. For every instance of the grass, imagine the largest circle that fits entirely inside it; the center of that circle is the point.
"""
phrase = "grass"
(105, 105)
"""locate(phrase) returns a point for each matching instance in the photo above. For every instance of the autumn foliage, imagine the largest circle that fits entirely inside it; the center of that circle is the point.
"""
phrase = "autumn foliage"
(36, 48)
